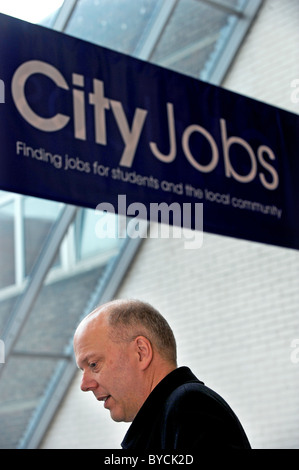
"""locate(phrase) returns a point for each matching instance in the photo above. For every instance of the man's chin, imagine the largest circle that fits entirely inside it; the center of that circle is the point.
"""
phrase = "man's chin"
(116, 418)
(119, 417)
(116, 415)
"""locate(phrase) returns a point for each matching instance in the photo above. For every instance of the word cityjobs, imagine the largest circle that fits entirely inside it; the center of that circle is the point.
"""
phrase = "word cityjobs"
(267, 174)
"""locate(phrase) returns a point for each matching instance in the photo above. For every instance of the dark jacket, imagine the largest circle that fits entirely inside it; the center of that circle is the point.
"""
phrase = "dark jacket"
(182, 413)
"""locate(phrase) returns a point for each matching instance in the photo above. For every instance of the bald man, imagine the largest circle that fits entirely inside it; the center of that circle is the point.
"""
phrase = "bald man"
(127, 353)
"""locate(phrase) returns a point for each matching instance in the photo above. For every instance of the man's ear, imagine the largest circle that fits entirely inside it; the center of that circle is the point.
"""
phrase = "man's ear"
(144, 350)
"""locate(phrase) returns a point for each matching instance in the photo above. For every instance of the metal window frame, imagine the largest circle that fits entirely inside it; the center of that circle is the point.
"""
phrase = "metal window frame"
(38, 275)
(224, 6)
(67, 366)
(221, 62)
(64, 14)
(19, 240)
(18, 237)
(148, 42)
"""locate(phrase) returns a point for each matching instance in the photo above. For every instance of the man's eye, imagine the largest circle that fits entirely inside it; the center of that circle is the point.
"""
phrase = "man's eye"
(92, 365)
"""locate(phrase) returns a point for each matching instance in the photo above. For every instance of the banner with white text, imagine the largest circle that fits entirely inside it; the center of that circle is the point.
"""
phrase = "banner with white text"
(83, 124)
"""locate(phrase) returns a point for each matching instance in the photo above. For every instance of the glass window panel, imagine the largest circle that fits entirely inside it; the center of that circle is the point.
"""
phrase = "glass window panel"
(31, 10)
(57, 310)
(116, 24)
(45, 334)
(190, 37)
(49, 20)
(25, 379)
(49, 327)
(39, 216)
(96, 233)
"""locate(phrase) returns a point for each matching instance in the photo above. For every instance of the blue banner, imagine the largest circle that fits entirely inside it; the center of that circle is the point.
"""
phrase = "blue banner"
(83, 124)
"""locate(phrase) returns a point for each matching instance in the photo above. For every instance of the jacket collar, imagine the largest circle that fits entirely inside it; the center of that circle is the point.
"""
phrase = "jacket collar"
(158, 395)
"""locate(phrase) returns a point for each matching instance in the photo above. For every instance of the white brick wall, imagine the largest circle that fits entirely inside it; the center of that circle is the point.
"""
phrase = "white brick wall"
(233, 305)
(234, 310)
(268, 60)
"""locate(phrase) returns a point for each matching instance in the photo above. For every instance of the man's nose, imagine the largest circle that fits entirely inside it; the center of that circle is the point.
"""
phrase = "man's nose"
(88, 383)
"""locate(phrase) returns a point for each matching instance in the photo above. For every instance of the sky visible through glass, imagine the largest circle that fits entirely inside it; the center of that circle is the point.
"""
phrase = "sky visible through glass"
(29, 10)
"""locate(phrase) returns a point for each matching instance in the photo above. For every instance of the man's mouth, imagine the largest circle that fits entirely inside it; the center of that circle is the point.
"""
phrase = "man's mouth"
(104, 398)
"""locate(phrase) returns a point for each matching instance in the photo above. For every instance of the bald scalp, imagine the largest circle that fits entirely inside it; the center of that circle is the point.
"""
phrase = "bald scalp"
(128, 319)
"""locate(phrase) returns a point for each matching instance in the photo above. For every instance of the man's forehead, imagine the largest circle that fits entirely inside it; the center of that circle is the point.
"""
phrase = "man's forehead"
(95, 321)
(88, 344)
(90, 333)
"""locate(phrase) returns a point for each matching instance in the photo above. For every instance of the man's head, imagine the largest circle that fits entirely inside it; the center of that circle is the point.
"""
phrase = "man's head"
(124, 348)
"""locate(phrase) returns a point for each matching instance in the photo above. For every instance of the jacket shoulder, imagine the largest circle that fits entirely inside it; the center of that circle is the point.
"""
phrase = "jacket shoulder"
(195, 415)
